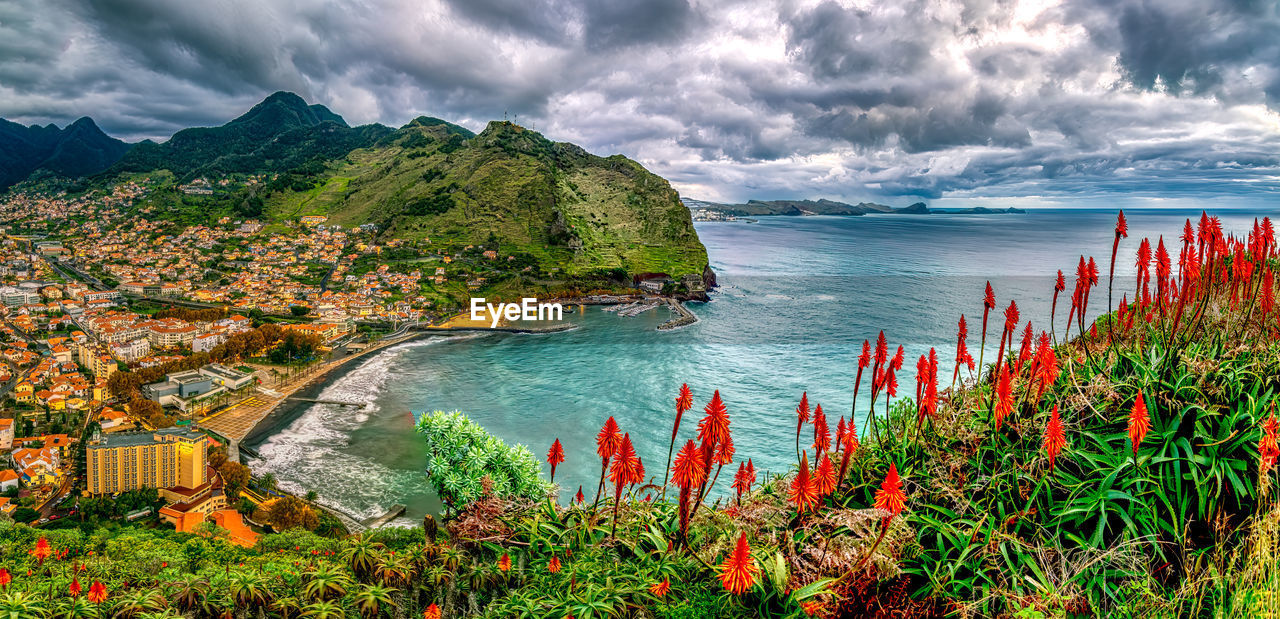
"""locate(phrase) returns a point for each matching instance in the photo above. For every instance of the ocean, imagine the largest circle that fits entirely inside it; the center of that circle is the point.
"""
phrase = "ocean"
(797, 297)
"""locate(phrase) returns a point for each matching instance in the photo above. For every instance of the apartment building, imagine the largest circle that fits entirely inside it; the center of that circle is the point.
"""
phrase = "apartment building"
(165, 458)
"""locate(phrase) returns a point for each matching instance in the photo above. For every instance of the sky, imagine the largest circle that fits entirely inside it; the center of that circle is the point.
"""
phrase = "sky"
(996, 101)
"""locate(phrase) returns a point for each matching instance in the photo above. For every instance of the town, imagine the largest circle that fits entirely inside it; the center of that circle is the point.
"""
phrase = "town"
(142, 344)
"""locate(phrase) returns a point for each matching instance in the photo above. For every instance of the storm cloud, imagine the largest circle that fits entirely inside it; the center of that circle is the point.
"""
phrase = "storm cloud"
(730, 99)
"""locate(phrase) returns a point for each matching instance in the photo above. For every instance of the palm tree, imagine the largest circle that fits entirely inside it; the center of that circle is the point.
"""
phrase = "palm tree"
(361, 554)
(20, 605)
(248, 590)
(188, 592)
(325, 583)
(323, 610)
(268, 482)
(312, 496)
(373, 600)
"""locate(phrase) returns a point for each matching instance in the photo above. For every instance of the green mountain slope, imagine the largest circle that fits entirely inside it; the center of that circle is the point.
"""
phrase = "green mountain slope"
(508, 189)
(278, 134)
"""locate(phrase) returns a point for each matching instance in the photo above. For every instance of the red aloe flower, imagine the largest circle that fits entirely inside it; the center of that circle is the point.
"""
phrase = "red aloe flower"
(607, 443)
(1004, 396)
(1163, 268)
(1024, 351)
(684, 402)
(848, 446)
(555, 456)
(74, 589)
(432, 612)
(1054, 437)
(922, 371)
(1144, 268)
(962, 351)
(41, 551)
(688, 470)
(864, 360)
(802, 416)
(1058, 286)
(804, 493)
(1122, 231)
(724, 452)
(97, 593)
(1269, 445)
(1046, 366)
(825, 476)
(660, 589)
(890, 496)
(504, 563)
(714, 427)
(5, 578)
(579, 498)
(841, 428)
(609, 439)
(742, 481)
(553, 565)
(627, 470)
(737, 573)
(1139, 423)
(988, 304)
(821, 431)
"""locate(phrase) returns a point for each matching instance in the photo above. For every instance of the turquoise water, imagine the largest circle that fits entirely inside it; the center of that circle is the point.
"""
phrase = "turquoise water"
(797, 298)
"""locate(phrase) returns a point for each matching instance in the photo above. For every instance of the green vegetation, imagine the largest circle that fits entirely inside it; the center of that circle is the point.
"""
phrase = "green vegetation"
(280, 134)
(465, 462)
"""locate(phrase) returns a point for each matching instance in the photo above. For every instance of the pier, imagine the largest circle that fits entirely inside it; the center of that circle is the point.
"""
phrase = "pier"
(396, 511)
(683, 317)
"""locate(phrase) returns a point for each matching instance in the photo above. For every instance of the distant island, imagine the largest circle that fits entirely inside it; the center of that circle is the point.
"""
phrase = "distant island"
(715, 211)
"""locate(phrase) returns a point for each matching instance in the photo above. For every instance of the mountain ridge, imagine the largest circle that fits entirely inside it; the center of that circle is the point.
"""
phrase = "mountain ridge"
(79, 149)
(823, 206)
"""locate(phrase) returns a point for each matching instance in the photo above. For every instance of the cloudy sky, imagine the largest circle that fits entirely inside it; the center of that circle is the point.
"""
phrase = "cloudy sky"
(1007, 101)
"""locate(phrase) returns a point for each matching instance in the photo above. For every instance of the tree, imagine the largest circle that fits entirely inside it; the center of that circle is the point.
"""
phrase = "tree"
(291, 512)
(25, 515)
(299, 310)
(235, 476)
(218, 456)
(268, 482)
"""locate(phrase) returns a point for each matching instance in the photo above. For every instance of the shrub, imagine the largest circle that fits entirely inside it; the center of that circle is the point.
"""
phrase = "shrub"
(463, 454)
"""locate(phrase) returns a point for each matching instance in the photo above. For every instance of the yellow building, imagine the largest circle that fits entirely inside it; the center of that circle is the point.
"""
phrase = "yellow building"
(24, 392)
(97, 361)
(165, 458)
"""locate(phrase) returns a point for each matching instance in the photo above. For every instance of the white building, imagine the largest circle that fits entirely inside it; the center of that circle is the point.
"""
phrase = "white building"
(206, 342)
(6, 434)
(132, 350)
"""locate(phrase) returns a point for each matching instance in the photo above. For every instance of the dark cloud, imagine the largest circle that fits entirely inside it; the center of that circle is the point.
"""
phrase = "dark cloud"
(730, 99)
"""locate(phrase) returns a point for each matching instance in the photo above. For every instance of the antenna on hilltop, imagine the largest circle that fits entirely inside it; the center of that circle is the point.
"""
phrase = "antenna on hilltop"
(504, 116)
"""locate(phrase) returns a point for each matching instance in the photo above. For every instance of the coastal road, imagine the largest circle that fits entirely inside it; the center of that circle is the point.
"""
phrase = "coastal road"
(236, 422)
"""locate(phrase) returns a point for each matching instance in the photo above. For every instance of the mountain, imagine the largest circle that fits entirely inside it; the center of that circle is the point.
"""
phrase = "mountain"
(508, 188)
(765, 208)
(81, 149)
(760, 208)
(278, 134)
